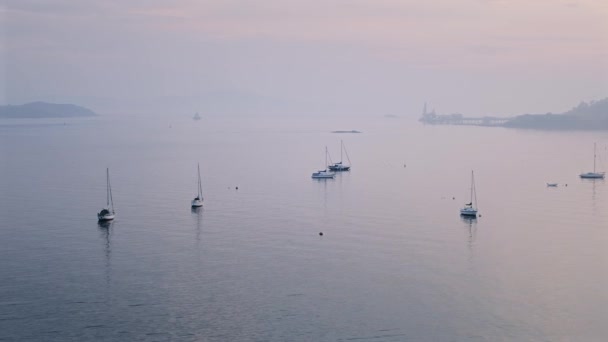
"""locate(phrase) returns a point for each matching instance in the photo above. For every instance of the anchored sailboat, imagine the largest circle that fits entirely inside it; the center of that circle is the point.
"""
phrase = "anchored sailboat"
(107, 213)
(340, 166)
(323, 173)
(470, 209)
(198, 200)
(593, 174)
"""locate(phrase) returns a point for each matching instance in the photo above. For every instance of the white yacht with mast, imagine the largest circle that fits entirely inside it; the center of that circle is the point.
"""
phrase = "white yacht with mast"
(594, 174)
(323, 173)
(198, 200)
(470, 209)
(107, 213)
(340, 166)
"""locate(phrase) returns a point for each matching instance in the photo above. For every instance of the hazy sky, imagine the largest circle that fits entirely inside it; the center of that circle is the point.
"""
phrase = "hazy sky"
(372, 57)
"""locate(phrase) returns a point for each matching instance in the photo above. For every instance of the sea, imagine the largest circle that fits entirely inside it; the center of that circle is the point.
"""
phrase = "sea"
(395, 262)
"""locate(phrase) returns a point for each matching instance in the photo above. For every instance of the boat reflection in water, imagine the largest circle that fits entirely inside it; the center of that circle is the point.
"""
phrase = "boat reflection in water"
(197, 213)
(105, 230)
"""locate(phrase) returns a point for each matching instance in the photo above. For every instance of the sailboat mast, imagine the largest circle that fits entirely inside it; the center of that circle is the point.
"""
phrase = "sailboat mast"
(200, 183)
(347, 157)
(472, 185)
(474, 189)
(594, 154)
(110, 200)
(341, 149)
(108, 187)
(326, 152)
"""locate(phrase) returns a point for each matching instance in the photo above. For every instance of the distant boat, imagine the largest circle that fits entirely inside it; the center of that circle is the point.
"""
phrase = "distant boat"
(107, 213)
(196, 117)
(593, 175)
(323, 173)
(198, 200)
(340, 166)
(470, 209)
(552, 185)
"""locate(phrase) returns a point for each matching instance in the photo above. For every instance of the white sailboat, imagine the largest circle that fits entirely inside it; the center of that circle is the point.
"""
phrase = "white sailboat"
(594, 174)
(323, 173)
(470, 209)
(107, 213)
(198, 200)
(340, 166)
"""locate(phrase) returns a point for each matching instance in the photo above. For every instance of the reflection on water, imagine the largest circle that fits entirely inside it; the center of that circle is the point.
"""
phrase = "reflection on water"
(394, 254)
(595, 183)
(197, 213)
(105, 230)
(470, 224)
(324, 183)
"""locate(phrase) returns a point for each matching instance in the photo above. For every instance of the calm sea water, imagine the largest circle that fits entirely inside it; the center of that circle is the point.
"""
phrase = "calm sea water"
(396, 262)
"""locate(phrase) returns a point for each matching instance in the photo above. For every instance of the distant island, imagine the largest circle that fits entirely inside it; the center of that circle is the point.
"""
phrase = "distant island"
(351, 131)
(40, 110)
(586, 116)
(592, 115)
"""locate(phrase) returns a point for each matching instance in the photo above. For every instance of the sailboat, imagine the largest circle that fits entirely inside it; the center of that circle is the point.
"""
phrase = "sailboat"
(107, 213)
(323, 173)
(340, 166)
(593, 174)
(198, 200)
(470, 209)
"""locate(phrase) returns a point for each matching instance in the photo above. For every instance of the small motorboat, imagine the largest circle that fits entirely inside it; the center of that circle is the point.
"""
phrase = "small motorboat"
(552, 185)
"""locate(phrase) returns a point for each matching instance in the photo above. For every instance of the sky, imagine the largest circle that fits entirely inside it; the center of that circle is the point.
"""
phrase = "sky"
(305, 57)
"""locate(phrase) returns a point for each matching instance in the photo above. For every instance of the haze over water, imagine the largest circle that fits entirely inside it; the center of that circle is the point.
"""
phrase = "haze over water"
(396, 262)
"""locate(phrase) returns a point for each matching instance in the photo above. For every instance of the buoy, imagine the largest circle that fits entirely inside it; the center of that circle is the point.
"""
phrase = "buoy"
(320, 233)
(237, 188)
(453, 198)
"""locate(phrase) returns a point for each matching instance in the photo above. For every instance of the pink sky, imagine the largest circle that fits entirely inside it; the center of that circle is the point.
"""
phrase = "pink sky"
(470, 56)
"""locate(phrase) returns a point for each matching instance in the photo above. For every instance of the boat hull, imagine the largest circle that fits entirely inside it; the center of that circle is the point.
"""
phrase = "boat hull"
(339, 168)
(103, 218)
(592, 175)
(323, 175)
(468, 212)
(197, 203)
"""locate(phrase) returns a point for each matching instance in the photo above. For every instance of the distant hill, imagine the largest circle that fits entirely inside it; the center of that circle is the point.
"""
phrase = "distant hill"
(588, 116)
(38, 110)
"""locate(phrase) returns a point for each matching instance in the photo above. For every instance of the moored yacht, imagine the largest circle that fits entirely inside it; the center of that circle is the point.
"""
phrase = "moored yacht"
(470, 209)
(323, 173)
(107, 213)
(198, 200)
(594, 174)
(339, 166)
